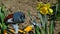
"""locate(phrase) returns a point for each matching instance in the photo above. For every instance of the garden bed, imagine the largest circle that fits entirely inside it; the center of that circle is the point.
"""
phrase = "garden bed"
(25, 5)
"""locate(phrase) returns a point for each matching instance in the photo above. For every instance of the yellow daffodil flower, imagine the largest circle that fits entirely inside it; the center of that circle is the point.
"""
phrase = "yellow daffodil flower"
(44, 8)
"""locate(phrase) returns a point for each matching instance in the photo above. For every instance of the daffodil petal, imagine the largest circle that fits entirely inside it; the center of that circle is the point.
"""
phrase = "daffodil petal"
(50, 11)
(47, 5)
(39, 5)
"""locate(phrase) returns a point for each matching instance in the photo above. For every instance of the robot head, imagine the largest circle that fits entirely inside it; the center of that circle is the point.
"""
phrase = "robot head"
(19, 17)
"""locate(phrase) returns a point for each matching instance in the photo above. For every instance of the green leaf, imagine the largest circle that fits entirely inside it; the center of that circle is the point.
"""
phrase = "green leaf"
(0, 9)
(0, 23)
(58, 17)
(46, 23)
(4, 11)
(42, 20)
(51, 29)
(37, 30)
(43, 23)
(2, 17)
(4, 26)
